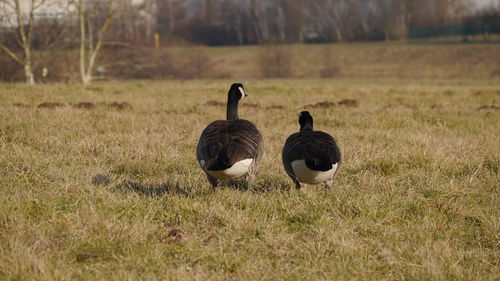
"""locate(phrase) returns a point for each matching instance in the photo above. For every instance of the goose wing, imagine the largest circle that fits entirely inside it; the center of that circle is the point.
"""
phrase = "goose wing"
(224, 143)
(315, 147)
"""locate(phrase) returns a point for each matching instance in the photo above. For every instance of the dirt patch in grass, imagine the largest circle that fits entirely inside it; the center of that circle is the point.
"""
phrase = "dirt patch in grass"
(349, 103)
(399, 105)
(83, 105)
(211, 238)
(173, 236)
(100, 180)
(278, 107)
(51, 105)
(84, 257)
(120, 106)
(251, 105)
(323, 104)
(488, 107)
(94, 89)
(176, 234)
(214, 103)
(21, 105)
(330, 104)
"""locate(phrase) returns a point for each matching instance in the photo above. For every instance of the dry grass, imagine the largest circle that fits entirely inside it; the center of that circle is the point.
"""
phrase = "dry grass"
(360, 60)
(355, 60)
(416, 199)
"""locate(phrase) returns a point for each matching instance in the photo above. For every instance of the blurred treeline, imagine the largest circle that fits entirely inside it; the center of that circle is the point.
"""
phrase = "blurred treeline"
(124, 38)
(239, 22)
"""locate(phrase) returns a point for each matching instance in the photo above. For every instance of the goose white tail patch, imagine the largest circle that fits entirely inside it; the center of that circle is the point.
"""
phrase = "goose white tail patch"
(202, 163)
(239, 169)
(306, 175)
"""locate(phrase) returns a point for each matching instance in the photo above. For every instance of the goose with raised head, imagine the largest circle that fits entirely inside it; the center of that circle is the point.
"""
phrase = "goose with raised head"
(232, 148)
(310, 156)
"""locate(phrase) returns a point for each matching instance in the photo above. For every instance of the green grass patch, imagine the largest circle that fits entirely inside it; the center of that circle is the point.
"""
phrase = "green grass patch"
(416, 197)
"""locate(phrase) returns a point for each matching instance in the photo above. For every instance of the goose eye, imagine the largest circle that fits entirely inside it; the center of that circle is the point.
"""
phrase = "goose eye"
(242, 92)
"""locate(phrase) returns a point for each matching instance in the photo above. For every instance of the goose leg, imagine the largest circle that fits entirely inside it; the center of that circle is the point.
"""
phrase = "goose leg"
(328, 184)
(250, 182)
(213, 181)
(297, 183)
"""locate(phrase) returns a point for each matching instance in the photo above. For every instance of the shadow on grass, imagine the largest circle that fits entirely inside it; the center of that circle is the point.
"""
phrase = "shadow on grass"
(169, 187)
(152, 190)
(263, 185)
(240, 185)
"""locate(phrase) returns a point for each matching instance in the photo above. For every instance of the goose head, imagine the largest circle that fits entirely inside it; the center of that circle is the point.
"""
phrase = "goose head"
(237, 92)
(305, 121)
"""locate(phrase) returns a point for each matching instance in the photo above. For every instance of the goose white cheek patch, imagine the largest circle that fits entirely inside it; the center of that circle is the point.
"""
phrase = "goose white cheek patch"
(242, 92)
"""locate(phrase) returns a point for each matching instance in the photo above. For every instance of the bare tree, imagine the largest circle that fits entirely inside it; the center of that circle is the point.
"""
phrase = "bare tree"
(295, 24)
(21, 16)
(233, 19)
(94, 19)
(259, 21)
(147, 11)
(325, 16)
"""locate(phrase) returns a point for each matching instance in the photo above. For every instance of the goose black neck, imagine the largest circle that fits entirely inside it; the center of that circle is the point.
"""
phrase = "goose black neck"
(305, 121)
(232, 107)
(306, 127)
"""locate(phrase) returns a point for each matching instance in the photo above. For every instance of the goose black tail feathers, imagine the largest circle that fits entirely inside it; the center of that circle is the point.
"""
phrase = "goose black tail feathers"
(317, 164)
(220, 163)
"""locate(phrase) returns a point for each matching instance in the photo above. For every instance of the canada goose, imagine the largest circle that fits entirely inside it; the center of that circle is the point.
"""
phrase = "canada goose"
(231, 148)
(310, 156)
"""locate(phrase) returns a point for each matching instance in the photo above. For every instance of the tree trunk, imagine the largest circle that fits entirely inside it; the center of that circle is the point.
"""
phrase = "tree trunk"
(280, 23)
(28, 70)
(85, 79)
(259, 27)
(171, 17)
(28, 73)
(338, 33)
(239, 30)
(88, 49)
(81, 16)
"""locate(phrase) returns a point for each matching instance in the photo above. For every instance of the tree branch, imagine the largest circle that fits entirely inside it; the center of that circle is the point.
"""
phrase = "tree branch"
(20, 24)
(11, 54)
(109, 16)
(8, 4)
(81, 15)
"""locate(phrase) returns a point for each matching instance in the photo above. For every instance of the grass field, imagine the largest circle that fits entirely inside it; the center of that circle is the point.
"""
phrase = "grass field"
(363, 60)
(387, 60)
(415, 199)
